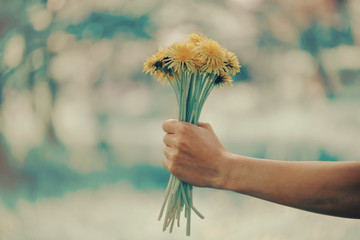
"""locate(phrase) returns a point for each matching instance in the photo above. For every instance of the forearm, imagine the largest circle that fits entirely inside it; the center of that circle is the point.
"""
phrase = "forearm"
(324, 187)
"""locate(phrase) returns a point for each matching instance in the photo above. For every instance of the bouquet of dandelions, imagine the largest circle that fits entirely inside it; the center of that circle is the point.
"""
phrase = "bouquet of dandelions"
(193, 69)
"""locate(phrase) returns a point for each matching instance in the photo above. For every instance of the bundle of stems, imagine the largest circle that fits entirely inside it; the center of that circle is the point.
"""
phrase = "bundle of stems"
(193, 69)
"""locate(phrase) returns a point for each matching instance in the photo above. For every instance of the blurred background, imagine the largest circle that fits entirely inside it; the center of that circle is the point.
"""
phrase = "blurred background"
(80, 123)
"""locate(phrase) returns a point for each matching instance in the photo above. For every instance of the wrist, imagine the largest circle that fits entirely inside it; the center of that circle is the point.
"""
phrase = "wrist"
(233, 174)
(227, 167)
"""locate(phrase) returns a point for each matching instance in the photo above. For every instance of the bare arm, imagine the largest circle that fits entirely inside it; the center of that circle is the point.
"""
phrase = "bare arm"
(195, 155)
(331, 188)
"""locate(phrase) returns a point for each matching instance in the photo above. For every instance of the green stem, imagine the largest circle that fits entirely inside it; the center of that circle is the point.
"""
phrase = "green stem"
(166, 196)
(191, 91)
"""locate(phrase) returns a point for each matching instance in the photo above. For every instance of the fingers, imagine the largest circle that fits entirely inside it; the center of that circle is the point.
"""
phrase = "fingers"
(169, 140)
(170, 125)
(167, 164)
(170, 167)
(168, 152)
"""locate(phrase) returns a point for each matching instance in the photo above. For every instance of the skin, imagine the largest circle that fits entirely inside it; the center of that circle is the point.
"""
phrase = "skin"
(195, 155)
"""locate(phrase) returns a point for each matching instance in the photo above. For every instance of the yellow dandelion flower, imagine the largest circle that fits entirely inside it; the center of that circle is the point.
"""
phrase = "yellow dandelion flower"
(232, 63)
(164, 77)
(196, 38)
(160, 76)
(223, 79)
(213, 56)
(155, 62)
(181, 57)
(199, 62)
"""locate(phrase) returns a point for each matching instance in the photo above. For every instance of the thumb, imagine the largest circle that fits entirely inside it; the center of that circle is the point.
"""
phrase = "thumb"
(205, 125)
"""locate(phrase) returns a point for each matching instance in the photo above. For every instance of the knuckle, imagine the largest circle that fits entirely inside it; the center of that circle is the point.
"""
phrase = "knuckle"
(165, 162)
(207, 125)
(174, 168)
(184, 128)
(185, 132)
(176, 155)
(168, 121)
(164, 125)
(167, 153)
(181, 143)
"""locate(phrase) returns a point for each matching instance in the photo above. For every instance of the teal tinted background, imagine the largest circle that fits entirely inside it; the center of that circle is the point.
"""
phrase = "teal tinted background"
(81, 139)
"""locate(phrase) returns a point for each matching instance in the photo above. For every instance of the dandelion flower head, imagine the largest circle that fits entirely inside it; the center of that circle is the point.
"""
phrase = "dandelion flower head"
(223, 79)
(160, 76)
(232, 63)
(213, 56)
(155, 63)
(196, 39)
(182, 57)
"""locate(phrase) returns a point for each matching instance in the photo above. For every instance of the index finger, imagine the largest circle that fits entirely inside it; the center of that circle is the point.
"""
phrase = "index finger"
(170, 125)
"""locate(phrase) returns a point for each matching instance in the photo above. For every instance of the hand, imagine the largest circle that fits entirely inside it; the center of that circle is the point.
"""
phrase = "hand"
(194, 154)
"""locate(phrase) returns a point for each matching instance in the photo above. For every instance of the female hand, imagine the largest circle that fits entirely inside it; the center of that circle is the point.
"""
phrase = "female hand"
(194, 154)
